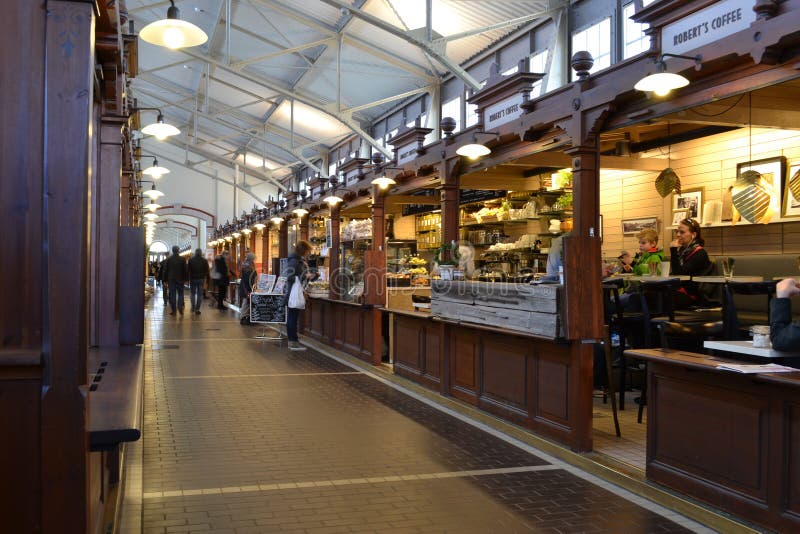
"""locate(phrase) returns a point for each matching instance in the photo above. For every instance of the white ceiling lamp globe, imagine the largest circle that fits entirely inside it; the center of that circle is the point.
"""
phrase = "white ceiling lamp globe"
(173, 32)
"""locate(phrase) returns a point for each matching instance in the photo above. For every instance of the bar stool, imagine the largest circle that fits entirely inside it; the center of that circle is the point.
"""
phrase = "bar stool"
(612, 325)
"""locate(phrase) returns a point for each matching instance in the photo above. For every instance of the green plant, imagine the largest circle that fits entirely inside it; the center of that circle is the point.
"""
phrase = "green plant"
(440, 254)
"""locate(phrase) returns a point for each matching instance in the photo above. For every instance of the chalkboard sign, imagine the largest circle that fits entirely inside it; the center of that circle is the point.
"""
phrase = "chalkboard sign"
(477, 195)
(267, 308)
(413, 209)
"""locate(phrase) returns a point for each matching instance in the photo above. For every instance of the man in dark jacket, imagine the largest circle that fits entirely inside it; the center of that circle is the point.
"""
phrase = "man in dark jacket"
(221, 278)
(176, 276)
(785, 334)
(198, 271)
(162, 277)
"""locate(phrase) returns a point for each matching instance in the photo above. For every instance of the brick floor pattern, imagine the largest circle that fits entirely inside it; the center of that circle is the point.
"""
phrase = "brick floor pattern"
(244, 436)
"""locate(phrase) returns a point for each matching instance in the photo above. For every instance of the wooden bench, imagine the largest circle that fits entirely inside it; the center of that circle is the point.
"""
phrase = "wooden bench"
(115, 396)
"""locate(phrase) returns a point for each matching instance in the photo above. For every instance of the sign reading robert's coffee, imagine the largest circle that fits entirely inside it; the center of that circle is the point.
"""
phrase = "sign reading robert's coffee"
(502, 112)
(707, 25)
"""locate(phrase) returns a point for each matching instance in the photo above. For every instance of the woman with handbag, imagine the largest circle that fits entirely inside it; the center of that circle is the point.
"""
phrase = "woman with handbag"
(296, 273)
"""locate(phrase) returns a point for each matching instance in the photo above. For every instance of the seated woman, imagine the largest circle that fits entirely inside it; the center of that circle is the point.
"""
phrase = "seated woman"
(688, 257)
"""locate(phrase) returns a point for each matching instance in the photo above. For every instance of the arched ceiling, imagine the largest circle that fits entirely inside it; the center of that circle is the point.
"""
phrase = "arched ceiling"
(284, 80)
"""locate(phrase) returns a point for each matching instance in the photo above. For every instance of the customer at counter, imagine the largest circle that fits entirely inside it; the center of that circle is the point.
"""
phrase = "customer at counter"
(785, 334)
(688, 257)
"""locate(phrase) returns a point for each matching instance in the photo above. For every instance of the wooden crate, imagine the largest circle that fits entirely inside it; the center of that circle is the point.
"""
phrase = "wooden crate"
(533, 309)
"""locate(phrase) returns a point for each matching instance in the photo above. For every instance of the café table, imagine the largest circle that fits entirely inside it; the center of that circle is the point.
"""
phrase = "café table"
(746, 348)
(651, 277)
(722, 279)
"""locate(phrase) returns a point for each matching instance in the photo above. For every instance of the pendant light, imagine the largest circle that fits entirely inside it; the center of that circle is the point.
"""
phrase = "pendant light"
(155, 170)
(159, 129)
(153, 193)
(473, 149)
(751, 195)
(667, 180)
(300, 212)
(152, 206)
(151, 216)
(173, 32)
(259, 226)
(662, 82)
(277, 220)
(332, 199)
(383, 182)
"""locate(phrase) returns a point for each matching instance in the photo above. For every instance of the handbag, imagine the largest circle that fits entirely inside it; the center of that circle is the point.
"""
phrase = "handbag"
(296, 299)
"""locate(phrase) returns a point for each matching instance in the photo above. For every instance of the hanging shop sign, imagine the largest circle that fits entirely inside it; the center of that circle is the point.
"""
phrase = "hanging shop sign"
(502, 112)
(707, 25)
(413, 209)
(479, 195)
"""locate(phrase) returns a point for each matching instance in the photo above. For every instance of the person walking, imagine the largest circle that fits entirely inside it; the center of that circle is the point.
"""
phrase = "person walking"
(221, 278)
(198, 271)
(162, 277)
(176, 277)
(296, 272)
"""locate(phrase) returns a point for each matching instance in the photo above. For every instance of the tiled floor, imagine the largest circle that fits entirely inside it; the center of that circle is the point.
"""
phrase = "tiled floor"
(631, 446)
(242, 435)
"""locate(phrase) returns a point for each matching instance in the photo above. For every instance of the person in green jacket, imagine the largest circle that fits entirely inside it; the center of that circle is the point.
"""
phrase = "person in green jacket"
(648, 252)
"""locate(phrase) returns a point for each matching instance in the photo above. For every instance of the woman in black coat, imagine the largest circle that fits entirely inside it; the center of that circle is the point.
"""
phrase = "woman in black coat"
(688, 257)
(297, 270)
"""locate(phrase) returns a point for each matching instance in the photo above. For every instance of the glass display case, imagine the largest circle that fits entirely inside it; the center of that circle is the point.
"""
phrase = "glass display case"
(356, 239)
(396, 252)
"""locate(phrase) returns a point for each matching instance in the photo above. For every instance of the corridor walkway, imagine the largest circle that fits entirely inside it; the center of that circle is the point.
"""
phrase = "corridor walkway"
(243, 436)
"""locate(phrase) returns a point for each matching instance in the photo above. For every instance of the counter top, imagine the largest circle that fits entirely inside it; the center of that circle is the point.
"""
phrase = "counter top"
(703, 362)
(407, 313)
(355, 304)
(746, 347)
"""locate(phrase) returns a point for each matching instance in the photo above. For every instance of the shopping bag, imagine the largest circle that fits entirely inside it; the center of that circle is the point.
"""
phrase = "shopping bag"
(296, 299)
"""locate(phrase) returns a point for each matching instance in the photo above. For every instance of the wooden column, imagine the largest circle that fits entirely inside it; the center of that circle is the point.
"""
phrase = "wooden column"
(105, 222)
(449, 175)
(303, 227)
(68, 100)
(265, 250)
(283, 240)
(252, 240)
(333, 253)
(375, 272)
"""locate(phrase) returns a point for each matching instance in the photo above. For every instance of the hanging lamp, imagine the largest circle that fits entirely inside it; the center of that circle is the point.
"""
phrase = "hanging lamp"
(172, 32)
(662, 82)
(160, 129)
(667, 180)
(155, 170)
(153, 193)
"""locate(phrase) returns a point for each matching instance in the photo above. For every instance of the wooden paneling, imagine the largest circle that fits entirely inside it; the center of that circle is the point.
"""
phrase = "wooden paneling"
(728, 416)
(504, 371)
(464, 355)
(552, 389)
(432, 362)
(417, 350)
(792, 441)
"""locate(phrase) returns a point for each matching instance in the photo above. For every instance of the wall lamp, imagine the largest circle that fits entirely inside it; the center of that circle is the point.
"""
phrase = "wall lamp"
(662, 82)
(152, 193)
(332, 199)
(155, 170)
(277, 220)
(159, 129)
(259, 226)
(473, 149)
(383, 182)
(172, 32)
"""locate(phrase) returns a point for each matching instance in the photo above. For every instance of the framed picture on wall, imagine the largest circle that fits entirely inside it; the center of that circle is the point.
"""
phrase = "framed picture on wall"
(690, 200)
(791, 193)
(679, 215)
(633, 226)
(772, 171)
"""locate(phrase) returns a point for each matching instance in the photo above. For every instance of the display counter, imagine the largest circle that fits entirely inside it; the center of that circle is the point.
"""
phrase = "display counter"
(346, 326)
(532, 378)
(402, 298)
(727, 438)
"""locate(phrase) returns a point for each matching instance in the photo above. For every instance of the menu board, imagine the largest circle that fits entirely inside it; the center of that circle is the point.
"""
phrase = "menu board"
(412, 209)
(478, 195)
(267, 308)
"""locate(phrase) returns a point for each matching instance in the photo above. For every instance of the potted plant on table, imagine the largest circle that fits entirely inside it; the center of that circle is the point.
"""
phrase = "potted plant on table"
(446, 257)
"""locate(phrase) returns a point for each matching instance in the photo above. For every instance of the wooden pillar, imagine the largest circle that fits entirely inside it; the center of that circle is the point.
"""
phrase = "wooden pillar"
(283, 239)
(375, 272)
(450, 173)
(303, 223)
(582, 256)
(265, 250)
(333, 254)
(105, 222)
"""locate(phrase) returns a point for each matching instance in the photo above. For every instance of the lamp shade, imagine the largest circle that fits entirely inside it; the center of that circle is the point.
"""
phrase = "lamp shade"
(155, 170)
(259, 226)
(332, 200)
(152, 206)
(237, 235)
(159, 129)
(150, 216)
(661, 83)
(473, 150)
(173, 32)
(383, 182)
(300, 212)
(246, 231)
(153, 193)
(277, 220)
